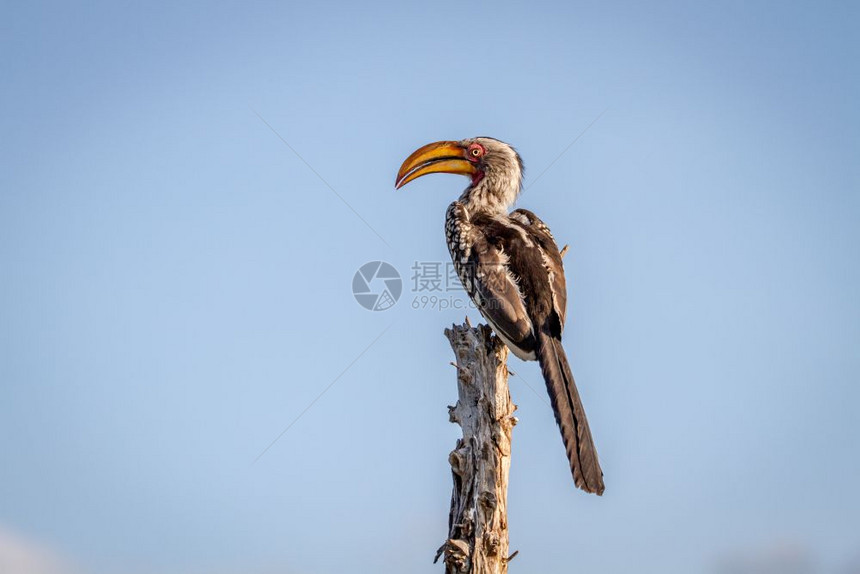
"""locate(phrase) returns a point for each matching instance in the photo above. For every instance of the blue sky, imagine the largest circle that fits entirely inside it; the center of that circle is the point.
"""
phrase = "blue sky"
(176, 282)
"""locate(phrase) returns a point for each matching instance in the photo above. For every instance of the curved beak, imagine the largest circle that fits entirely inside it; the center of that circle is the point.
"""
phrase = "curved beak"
(437, 157)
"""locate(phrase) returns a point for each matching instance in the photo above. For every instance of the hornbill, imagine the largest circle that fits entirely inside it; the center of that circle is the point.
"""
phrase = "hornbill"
(511, 267)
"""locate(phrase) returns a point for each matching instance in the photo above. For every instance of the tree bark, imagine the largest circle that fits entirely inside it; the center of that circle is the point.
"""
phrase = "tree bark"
(478, 522)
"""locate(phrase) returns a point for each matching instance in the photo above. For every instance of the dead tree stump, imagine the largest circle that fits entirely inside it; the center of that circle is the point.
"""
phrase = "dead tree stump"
(478, 522)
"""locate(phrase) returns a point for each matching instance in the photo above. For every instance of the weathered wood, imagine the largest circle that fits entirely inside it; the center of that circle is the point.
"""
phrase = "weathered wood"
(478, 522)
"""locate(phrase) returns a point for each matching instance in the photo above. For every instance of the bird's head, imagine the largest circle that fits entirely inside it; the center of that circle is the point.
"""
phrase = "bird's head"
(494, 167)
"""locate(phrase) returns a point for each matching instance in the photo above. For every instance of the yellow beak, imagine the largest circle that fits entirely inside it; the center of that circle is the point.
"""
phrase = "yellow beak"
(437, 157)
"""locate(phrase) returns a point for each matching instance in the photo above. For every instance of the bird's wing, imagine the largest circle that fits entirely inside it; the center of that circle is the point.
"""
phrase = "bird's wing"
(508, 258)
(496, 291)
(540, 233)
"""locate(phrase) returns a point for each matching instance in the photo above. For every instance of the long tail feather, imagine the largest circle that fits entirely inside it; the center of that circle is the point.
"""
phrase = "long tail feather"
(570, 415)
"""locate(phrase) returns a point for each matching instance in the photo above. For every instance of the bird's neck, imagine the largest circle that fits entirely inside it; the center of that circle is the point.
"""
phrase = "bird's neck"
(492, 194)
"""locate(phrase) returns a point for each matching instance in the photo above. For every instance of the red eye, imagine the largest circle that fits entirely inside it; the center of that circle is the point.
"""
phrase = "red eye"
(475, 151)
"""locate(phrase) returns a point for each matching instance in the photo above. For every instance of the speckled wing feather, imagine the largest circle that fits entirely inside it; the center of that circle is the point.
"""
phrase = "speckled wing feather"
(482, 266)
(540, 232)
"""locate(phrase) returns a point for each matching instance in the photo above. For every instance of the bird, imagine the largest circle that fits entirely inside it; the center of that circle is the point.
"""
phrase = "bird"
(511, 267)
